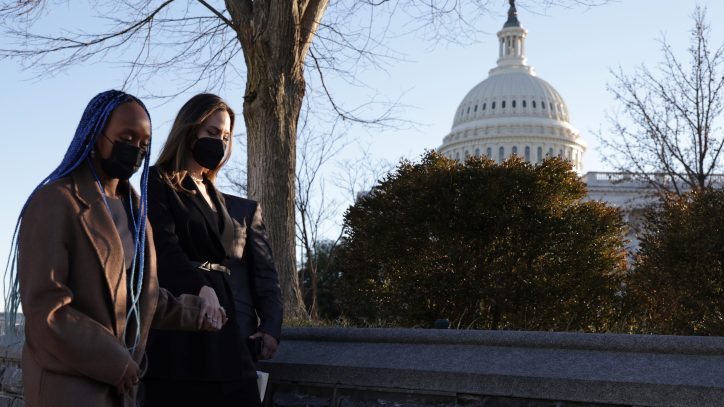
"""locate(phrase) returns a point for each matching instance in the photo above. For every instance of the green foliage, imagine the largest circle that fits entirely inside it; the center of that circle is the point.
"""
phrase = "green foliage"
(678, 283)
(508, 246)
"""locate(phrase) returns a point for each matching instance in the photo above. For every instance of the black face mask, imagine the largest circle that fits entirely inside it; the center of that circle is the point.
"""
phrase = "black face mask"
(209, 152)
(124, 161)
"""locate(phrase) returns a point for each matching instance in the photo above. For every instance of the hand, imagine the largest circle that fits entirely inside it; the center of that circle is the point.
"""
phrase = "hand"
(212, 316)
(269, 345)
(130, 378)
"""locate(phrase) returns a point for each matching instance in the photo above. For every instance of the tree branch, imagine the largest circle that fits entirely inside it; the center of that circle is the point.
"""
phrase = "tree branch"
(218, 14)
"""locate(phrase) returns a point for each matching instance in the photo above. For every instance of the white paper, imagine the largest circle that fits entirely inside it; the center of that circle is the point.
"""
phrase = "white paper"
(262, 379)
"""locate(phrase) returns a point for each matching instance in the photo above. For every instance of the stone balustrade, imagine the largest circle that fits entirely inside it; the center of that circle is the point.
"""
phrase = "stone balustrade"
(409, 367)
(354, 367)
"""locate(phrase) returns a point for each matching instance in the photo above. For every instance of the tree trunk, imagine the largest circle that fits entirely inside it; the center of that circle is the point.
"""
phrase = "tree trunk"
(314, 279)
(275, 36)
(271, 114)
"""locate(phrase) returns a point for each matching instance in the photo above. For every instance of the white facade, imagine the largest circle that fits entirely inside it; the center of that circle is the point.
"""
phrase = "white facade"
(513, 111)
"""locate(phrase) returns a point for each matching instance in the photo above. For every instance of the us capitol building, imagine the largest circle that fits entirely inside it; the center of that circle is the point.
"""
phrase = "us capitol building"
(515, 112)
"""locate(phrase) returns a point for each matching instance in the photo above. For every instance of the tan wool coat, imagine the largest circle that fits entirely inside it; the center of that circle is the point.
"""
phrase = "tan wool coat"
(74, 296)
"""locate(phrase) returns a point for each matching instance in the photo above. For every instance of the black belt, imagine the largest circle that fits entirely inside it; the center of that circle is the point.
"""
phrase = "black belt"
(208, 266)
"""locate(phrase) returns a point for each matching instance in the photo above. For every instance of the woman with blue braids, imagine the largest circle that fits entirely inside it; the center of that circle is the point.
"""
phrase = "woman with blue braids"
(86, 267)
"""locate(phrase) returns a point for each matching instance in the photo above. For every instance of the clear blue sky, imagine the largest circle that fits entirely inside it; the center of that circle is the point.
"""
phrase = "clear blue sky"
(571, 48)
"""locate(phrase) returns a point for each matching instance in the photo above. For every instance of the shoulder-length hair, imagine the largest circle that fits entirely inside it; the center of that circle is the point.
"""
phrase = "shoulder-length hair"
(177, 149)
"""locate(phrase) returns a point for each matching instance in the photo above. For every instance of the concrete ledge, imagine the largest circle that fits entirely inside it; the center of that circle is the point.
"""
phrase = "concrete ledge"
(571, 367)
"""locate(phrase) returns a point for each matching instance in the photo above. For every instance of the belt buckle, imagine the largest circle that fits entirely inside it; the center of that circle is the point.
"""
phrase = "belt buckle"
(206, 266)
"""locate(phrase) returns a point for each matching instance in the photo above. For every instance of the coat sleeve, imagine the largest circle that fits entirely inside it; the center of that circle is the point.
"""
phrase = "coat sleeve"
(175, 271)
(62, 337)
(176, 313)
(266, 291)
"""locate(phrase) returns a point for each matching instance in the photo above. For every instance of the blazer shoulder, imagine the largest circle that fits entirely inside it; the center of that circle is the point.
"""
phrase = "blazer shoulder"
(237, 200)
(52, 194)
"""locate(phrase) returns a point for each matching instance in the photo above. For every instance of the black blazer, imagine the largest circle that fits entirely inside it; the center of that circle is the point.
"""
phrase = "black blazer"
(186, 230)
(254, 279)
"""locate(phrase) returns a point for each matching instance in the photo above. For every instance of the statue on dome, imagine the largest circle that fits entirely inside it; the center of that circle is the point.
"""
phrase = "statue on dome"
(512, 16)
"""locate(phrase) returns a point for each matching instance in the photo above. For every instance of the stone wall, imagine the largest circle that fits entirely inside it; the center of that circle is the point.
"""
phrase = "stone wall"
(406, 367)
(11, 380)
(348, 367)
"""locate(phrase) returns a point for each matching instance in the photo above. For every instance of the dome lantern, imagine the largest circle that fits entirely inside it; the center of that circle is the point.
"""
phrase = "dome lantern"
(511, 40)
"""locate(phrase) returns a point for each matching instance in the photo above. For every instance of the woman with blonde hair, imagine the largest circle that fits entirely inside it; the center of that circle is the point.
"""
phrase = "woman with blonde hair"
(194, 234)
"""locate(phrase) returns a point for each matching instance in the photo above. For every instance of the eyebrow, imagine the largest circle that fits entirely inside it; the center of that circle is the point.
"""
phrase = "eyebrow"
(218, 129)
(132, 131)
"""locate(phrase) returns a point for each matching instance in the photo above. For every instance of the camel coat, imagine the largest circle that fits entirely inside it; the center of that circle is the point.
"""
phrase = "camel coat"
(73, 291)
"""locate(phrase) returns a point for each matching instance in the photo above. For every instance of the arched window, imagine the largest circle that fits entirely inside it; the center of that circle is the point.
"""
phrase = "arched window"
(542, 105)
(475, 109)
(501, 154)
(489, 153)
(540, 154)
(457, 155)
(514, 103)
(515, 150)
(467, 153)
(534, 104)
(484, 104)
(560, 153)
(524, 104)
(527, 153)
(550, 152)
(468, 109)
(502, 104)
(492, 106)
(477, 152)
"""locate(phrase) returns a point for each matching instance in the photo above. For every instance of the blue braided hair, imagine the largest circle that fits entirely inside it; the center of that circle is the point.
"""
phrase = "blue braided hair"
(91, 125)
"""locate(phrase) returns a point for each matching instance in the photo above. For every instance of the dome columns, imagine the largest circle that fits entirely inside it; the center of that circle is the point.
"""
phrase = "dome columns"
(511, 49)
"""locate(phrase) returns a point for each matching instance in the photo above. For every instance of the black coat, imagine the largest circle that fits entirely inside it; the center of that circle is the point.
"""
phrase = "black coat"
(187, 230)
(254, 279)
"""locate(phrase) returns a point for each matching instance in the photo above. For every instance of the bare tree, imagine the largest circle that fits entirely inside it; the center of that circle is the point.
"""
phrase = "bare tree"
(668, 132)
(313, 207)
(206, 42)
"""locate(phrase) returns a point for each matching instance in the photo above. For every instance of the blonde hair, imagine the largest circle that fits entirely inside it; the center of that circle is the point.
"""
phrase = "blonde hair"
(177, 149)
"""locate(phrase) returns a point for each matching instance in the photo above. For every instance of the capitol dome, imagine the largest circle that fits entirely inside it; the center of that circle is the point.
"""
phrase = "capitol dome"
(513, 111)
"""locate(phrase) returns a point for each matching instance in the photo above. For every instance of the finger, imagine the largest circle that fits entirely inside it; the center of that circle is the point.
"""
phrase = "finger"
(215, 317)
(219, 320)
(201, 318)
(223, 312)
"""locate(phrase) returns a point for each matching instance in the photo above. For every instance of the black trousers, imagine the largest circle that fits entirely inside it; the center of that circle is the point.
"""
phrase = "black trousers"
(182, 393)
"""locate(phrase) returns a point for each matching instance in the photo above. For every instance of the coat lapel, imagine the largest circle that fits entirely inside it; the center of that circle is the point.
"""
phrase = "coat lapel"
(226, 235)
(98, 225)
(211, 222)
